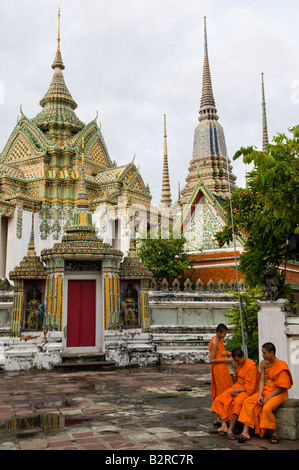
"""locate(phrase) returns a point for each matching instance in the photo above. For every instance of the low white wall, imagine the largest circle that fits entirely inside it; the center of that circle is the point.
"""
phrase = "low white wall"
(277, 325)
(189, 309)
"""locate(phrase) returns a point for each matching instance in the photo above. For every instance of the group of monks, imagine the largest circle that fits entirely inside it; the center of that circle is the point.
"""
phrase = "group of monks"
(246, 394)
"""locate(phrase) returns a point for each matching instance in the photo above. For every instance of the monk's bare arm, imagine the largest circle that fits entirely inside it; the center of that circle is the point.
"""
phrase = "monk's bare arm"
(262, 381)
(213, 359)
(237, 390)
(275, 392)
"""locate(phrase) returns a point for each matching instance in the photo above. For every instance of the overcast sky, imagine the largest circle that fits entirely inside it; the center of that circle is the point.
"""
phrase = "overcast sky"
(135, 60)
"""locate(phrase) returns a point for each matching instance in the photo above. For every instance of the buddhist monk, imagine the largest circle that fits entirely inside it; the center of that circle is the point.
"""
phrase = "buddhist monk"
(228, 405)
(258, 410)
(219, 358)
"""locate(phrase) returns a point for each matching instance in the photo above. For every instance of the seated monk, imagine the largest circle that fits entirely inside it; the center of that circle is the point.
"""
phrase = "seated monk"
(258, 410)
(220, 375)
(228, 405)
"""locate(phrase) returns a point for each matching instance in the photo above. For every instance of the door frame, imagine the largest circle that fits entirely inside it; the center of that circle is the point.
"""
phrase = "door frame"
(99, 319)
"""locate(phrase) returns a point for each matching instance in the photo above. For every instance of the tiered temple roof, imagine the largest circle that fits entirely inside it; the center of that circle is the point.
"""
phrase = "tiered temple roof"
(57, 117)
(41, 160)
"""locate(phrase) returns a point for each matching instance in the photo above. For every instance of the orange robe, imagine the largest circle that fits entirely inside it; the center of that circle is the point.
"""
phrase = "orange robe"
(248, 376)
(220, 376)
(261, 417)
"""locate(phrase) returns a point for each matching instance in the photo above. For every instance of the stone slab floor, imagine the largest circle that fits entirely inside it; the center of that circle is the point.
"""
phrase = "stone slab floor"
(161, 408)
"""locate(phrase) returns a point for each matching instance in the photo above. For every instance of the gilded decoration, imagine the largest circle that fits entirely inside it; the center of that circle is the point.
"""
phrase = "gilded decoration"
(34, 309)
(129, 308)
(31, 271)
(135, 279)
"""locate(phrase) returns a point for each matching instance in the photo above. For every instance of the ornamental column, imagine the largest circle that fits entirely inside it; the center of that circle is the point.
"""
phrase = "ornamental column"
(111, 293)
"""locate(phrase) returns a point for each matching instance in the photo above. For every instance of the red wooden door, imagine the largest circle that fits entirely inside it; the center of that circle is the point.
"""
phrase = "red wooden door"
(81, 313)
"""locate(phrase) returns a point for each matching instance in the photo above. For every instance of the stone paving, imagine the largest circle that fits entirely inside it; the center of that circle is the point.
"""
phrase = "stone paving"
(161, 408)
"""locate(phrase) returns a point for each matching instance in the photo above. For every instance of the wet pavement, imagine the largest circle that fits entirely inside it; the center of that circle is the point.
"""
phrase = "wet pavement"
(158, 409)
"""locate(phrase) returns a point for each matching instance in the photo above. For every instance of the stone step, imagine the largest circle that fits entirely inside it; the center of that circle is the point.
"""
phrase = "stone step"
(183, 329)
(182, 355)
(84, 362)
(84, 366)
(182, 344)
(187, 329)
(184, 340)
(83, 357)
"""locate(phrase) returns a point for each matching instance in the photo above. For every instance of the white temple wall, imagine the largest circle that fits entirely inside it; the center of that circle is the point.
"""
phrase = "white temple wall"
(277, 326)
(18, 237)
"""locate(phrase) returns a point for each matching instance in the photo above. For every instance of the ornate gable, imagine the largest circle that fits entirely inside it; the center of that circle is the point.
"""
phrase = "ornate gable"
(204, 224)
(14, 173)
(134, 181)
(96, 151)
(97, 155)
(20, 150)
(203, 218)
(26, 142)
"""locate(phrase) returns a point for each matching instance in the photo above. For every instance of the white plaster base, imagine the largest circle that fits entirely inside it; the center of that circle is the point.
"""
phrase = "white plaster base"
(34, 353)
(275, 324)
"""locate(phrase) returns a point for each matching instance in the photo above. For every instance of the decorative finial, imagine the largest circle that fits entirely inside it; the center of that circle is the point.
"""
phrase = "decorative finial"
(82, 202)
(207, 105)
(58, 38)
(31, 247)
(58, 58)
(205, 35)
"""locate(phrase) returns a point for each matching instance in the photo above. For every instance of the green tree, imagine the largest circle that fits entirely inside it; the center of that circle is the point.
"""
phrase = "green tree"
(268, 209)
(250, 310)
(164, 254)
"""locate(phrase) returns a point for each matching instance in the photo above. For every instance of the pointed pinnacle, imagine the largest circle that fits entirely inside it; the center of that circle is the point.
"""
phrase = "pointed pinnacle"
(166, 194)
(207, 106)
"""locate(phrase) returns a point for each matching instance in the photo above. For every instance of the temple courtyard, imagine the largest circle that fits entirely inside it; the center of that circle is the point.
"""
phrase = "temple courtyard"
(157, 409)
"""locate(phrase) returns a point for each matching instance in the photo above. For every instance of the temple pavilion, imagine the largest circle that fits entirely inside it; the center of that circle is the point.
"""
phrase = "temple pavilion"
(67, 215)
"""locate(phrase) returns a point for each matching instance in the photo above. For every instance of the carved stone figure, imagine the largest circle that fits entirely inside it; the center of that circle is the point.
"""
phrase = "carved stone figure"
(271, 284)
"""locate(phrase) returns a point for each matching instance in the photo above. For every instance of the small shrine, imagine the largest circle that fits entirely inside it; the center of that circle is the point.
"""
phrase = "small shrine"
(29, 291)
(134, 284)
(81, 286)
(82, 289)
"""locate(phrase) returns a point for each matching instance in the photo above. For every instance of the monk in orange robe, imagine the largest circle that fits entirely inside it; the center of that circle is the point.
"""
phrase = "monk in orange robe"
(219, 358)
(258, 410)
(228, 405)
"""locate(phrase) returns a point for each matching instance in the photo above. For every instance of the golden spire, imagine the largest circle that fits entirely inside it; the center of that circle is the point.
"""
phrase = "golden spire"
(82, 202)
(58, 104)
(58, 38)
(31, 246)
(58, 58)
